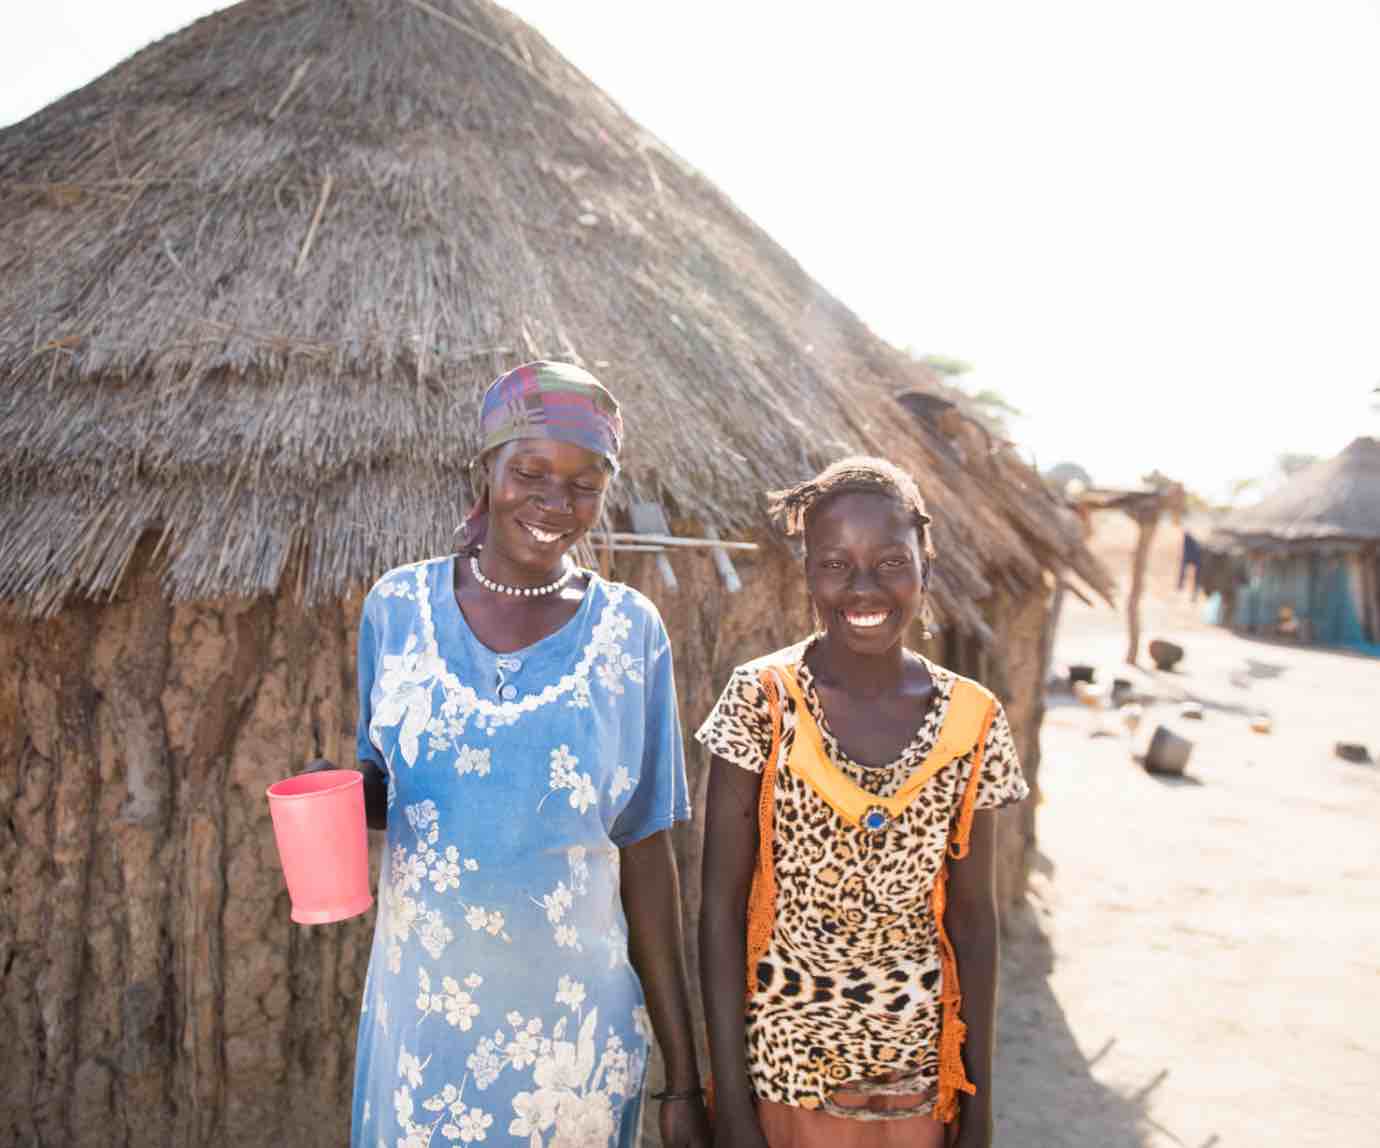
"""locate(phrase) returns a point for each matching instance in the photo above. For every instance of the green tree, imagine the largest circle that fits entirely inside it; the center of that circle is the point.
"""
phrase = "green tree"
(946, 365)
(989, 407)
(1290, 462)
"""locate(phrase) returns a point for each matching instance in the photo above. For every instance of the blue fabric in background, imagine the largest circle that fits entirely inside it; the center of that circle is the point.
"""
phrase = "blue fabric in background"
(1317, 588)
(500, 1005)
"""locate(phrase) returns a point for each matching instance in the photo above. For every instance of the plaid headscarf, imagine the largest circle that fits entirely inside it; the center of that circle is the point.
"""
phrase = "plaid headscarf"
(551, 400)
(543, 400)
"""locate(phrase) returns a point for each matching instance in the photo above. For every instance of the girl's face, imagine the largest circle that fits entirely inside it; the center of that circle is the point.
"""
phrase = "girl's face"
(543, 498)
(864, 569)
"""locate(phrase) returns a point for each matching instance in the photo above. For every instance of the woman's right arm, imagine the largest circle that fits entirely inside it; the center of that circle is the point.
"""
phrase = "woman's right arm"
(730, 854)
(375, 777)
(375, 795)
(375, 790)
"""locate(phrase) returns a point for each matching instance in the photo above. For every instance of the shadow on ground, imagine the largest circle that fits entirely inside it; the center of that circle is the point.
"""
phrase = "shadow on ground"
(1046, 1094)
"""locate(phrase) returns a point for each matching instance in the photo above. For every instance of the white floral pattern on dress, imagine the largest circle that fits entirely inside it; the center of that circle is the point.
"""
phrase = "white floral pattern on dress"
(405, 687)
(574, 1096)
(406, 915)
(576, 1085)
(453, 1002)
(452, 1117)
(559, 901)
(410, 679)
(395, 588)
(565, 776)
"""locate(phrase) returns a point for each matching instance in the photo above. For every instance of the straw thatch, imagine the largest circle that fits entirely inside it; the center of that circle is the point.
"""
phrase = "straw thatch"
(253, 280)
(1337, 500)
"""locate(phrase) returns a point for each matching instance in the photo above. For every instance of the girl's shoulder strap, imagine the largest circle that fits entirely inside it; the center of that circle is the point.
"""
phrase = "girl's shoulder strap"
(773, 681)
(971, 707)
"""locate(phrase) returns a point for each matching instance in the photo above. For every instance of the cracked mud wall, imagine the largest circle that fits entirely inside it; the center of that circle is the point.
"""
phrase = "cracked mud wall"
(1014, 671)
(154, 990)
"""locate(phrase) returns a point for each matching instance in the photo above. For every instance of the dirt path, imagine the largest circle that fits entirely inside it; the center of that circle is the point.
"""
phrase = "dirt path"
(1198, 962)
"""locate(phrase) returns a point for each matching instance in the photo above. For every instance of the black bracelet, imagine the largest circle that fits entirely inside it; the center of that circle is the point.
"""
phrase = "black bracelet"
(678, 1094)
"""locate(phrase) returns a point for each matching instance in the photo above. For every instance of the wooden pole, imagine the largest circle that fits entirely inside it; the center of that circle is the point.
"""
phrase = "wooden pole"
(1147, 518)
(1047, 639)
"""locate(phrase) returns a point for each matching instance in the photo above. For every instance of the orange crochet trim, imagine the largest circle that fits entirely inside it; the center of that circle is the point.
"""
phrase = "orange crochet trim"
(761, 913)
(953, 1077)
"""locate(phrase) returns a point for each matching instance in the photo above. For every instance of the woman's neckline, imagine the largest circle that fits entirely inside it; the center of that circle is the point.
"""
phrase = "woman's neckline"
(809, 689)
(448, 579)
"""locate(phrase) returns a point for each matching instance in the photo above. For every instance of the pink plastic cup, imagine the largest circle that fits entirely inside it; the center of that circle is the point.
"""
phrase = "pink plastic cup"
(323, 843)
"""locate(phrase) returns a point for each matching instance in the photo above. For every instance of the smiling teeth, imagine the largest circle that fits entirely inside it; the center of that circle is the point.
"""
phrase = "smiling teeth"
(542, 535)
(866, 621)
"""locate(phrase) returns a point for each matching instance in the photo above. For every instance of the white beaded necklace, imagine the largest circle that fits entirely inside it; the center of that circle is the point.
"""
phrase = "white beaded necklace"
(521, 591)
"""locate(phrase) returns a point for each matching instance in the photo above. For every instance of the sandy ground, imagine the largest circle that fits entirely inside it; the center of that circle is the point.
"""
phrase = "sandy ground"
(1198, 961)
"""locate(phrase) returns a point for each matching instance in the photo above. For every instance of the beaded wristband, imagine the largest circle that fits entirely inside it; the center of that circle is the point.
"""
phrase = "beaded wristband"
(682, 1094)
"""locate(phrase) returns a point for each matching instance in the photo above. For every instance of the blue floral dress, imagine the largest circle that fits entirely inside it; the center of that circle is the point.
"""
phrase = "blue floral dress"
(500, 1005)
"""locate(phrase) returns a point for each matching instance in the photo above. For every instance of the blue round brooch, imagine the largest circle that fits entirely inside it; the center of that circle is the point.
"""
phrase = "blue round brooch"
(875, 819)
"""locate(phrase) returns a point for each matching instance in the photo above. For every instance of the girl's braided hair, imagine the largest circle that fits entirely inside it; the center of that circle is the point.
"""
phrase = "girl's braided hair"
(793, 507)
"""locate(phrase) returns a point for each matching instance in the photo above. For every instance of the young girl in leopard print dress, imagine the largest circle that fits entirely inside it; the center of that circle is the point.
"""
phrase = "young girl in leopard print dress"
(849, 853)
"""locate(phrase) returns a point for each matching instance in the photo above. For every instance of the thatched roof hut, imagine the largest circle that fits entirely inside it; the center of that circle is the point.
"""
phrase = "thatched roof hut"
(1305, 561)
(1336, 500)
(252, 282)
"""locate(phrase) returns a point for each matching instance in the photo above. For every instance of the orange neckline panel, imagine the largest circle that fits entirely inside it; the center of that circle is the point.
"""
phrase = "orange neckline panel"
(968, 705)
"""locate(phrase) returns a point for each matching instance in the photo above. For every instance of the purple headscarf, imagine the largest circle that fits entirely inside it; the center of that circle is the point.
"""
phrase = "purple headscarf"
(548, 400)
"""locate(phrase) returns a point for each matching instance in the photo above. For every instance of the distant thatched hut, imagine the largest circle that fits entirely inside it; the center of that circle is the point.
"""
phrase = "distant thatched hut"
(1305, 561)
(252, 283)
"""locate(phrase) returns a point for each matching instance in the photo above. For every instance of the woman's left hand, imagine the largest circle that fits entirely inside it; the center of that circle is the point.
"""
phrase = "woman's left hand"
(684, 1124)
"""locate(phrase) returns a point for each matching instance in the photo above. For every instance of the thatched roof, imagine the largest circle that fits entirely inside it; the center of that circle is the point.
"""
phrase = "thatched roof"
(254, 279)
(1332, 501)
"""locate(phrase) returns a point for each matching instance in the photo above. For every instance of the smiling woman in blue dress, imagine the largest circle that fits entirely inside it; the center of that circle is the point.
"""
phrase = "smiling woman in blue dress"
(520, 744)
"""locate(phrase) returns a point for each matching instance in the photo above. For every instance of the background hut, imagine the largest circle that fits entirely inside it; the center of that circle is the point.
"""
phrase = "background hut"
(252, 282)
(1305, 561)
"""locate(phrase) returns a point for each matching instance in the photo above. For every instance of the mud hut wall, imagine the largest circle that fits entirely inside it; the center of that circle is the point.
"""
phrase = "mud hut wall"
(1013, 668)
(155, 991)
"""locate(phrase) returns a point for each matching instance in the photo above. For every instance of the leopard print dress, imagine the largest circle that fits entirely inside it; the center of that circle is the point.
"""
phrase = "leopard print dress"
(848, 990)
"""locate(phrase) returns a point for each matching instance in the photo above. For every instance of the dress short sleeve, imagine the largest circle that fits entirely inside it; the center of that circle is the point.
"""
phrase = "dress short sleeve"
(662, 795)
(738, 728)
(366, 664)
(1001, 781)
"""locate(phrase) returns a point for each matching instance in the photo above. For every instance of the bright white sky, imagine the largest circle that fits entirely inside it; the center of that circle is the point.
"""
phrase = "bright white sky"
(1154, 227)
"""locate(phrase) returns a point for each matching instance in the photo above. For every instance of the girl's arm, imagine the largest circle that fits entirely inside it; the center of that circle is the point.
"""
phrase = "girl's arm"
(650, 890)
(730, 853)
(971, 922)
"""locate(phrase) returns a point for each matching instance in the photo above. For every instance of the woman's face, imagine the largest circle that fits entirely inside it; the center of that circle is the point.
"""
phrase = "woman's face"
(543, 498)
(864, 569)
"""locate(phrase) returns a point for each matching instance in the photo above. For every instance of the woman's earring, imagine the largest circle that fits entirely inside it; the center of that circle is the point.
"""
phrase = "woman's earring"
(926, 613)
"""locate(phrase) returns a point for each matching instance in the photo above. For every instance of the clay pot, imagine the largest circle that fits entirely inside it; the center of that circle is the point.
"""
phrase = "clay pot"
(1165, 655)
(1168, 752)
